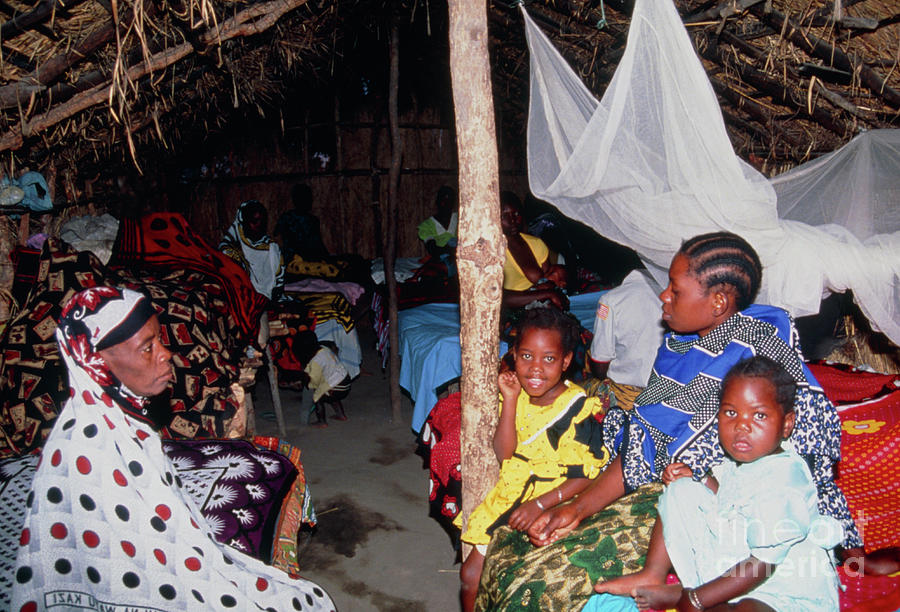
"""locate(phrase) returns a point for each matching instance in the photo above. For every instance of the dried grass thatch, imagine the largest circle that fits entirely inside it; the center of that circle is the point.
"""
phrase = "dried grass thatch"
(94, 80)
(862, 347)
(86, 86)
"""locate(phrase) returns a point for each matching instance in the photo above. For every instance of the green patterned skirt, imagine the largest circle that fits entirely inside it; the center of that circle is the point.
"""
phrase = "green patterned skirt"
(519, 576)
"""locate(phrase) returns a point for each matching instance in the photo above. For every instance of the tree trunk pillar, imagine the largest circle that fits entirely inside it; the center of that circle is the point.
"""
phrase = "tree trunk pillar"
(481, 247)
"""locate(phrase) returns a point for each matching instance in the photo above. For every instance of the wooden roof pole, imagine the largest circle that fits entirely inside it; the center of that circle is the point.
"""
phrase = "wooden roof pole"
(254, 20)
(390, 224)
(481, 249)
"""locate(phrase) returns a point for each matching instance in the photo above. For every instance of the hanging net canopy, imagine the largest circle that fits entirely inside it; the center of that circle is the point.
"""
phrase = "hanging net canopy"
(650, 165)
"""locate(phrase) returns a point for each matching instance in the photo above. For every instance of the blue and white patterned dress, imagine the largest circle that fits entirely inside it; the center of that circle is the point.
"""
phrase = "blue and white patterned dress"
(674, 418)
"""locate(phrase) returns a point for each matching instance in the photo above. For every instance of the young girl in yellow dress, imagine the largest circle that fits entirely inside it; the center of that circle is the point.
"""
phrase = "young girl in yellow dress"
(548, 440)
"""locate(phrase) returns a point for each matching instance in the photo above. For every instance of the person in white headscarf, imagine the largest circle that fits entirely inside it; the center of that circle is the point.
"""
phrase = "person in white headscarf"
(109, 524)
(247, 242)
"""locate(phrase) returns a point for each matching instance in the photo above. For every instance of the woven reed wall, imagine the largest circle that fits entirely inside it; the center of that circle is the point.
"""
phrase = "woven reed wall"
(350, 188)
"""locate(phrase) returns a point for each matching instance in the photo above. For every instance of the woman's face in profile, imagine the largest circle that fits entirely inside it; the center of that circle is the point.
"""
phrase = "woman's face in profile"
(141, 363)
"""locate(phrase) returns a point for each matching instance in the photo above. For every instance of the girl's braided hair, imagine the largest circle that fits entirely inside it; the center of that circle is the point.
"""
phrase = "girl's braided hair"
(551, 318)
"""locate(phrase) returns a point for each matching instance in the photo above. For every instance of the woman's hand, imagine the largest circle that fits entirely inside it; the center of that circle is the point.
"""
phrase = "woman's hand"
(509, 385)
(674, 471)
(553, 524)
(523, 516)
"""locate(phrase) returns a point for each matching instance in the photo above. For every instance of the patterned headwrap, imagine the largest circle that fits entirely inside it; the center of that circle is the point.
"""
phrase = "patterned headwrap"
(95, 319)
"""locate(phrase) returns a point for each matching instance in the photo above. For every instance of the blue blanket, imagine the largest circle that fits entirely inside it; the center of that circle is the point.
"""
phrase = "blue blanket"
(430, 354)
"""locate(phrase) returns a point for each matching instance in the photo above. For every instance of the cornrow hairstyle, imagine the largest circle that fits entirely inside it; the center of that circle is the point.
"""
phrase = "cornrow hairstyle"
(723, 258)
(760, 366)
(551, 318)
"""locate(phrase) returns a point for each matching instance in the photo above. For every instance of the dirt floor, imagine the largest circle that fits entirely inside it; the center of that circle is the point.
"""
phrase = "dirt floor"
(375, 547)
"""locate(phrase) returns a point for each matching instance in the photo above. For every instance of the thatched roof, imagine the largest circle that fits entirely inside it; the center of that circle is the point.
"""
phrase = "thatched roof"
(87, 86)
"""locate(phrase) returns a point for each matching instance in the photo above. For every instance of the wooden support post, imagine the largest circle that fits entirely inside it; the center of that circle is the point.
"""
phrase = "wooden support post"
(344, 247)
(481, 250)
(390, 247)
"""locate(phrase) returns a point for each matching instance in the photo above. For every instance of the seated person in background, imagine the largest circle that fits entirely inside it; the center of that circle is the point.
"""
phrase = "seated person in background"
(247, 242)
(439, 231)
(325, 376)
(109, 519)
(299, 229)
(751, 532)
(529, 275)
(627, 333)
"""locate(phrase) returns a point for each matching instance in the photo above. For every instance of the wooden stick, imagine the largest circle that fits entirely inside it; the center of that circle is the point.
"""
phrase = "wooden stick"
(42, 11)
(833, 97)
(751, 107)
(780, 93)
(15, 93)
(249, 21)
(723, 10)
(390, 247)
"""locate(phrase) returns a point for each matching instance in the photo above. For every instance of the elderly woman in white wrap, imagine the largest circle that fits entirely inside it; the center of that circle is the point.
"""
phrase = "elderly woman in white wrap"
(108, 523)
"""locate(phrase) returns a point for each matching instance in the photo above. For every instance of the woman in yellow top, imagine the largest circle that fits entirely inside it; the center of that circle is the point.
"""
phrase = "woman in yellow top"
(548, 440)
(528, 273)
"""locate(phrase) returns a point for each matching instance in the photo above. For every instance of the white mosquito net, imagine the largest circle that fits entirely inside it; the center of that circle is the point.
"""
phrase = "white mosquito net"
(650, 165)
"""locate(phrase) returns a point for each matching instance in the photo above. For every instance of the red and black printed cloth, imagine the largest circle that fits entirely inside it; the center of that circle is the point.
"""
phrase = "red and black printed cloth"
(32, 376)
(195, 298)
(166, 241)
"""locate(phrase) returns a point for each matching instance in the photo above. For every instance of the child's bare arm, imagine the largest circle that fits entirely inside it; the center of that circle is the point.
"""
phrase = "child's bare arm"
(739, 580)
(505, 441)
(523, 516)
(674, 471)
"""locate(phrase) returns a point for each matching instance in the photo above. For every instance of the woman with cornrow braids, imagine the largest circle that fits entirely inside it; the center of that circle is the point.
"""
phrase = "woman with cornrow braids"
(713, 322)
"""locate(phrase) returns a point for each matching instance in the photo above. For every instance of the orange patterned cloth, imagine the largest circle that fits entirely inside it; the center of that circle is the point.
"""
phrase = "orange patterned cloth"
(296, 510)
(869, 471)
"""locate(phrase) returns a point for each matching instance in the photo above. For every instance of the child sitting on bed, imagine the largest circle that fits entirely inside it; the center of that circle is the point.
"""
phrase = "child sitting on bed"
(752, 530)
(548, 439)
(325, 376)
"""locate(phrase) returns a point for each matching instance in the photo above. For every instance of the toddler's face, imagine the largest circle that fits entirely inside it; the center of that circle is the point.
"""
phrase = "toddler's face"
(540, 363)
(687, 308)
(751, 422)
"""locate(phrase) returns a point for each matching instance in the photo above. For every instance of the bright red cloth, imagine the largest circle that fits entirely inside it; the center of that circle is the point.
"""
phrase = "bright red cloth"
(166, 240)
(869, 470)
(869, 593)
